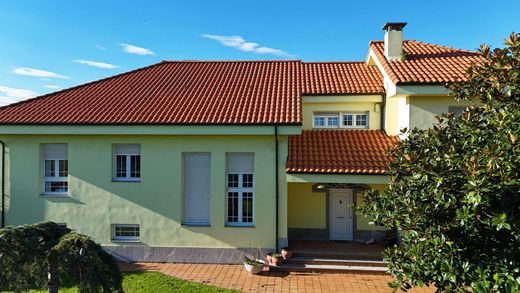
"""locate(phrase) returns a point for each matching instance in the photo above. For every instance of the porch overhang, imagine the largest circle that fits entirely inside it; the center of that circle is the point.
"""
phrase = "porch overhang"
(337, 178)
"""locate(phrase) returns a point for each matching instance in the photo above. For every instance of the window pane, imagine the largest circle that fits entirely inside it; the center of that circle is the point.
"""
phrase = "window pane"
(56, 186)
(120, 166)
(49, 168)
(232, 180)
(247, 180)
(127, 231)
(361, 120)
(232, 207)
(319, 121)
(64, 168)
(332, 121)
(347, 120)
(247, 207)
(135, 166)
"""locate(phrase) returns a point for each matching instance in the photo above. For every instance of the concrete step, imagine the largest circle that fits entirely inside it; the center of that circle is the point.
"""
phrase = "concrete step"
(328, 268)
(335, 262)
(334, 255)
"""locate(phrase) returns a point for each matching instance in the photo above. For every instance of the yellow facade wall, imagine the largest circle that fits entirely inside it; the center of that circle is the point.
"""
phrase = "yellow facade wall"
(306, 209)
(374, 113)
(424, 108)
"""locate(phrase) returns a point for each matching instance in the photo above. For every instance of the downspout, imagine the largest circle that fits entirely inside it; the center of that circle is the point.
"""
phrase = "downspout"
(276, 182)
(3, 183)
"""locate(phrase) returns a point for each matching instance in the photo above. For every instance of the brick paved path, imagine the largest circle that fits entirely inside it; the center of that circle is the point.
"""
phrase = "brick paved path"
(235, 277)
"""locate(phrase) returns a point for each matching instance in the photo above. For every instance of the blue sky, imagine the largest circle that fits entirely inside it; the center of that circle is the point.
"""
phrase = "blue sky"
(50, 45)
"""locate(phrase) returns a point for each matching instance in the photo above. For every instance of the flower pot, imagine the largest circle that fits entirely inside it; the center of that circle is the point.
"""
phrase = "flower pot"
(254, 269)
(274, 259)
(287, 252)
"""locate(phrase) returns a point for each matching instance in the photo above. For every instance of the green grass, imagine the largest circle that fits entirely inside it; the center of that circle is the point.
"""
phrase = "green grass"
(144, 282)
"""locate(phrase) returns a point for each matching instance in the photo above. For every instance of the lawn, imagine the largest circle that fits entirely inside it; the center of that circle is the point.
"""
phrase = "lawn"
(144, 282)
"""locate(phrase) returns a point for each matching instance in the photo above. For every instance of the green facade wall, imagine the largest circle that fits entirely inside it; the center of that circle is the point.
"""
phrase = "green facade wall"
(95, 201)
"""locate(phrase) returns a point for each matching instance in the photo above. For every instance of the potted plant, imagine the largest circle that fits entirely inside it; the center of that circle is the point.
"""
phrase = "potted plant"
(287, 252)
(254, 265)
(276, 259)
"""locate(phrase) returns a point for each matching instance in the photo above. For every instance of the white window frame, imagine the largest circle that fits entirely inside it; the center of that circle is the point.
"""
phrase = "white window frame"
(57, 178)
(354, 119)
(240, 190)
(326, 117)
(128, 158)
(114, 237)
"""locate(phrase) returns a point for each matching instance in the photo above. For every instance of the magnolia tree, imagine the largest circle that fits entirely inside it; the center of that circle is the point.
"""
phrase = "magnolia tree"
(454, 195)
(49, 255)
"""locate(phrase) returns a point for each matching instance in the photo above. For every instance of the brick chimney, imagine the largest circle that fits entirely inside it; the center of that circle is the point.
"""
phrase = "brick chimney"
(394, 40)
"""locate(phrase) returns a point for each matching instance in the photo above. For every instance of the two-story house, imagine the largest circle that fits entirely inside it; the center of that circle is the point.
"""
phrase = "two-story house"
(195, 160)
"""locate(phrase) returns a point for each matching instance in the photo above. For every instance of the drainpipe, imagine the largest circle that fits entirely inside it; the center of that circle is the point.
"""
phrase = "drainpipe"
(276, 182)
(3, 184)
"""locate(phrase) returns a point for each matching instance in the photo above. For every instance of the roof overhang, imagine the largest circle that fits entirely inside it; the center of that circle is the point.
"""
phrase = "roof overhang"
(375, 98)
(337, 178)
(148, 129)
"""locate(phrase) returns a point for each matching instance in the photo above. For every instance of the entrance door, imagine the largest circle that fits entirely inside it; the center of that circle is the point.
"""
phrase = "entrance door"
(341, 214)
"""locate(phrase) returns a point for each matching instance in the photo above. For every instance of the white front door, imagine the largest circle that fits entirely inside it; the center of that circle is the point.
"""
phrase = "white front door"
(341, 214)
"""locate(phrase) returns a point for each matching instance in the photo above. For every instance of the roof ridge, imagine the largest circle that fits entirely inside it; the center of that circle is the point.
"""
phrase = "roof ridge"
(80, 85)
(333, 62)
(228, 61)
(442, 46)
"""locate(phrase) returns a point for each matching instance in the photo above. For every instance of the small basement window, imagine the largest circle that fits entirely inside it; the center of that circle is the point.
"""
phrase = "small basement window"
(125, 232)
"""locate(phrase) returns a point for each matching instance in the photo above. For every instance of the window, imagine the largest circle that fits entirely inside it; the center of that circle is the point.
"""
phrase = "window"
(348, 120)
(457, 110)
(326, 120)
(127, 162)
(240, 189)
(196, 189)
(355, 120)
(125, 232)
(55, 169)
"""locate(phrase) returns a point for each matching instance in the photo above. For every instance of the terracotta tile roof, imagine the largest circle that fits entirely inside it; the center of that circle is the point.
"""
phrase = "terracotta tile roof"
(341, 77)
(241, 92)
(426, 63)
(339, 151)
(197, 92)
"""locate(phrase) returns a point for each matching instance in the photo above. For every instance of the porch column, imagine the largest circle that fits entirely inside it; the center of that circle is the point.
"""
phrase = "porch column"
(282, 189)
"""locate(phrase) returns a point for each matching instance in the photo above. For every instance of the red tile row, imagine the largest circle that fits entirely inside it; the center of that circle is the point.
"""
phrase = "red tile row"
(340, 151)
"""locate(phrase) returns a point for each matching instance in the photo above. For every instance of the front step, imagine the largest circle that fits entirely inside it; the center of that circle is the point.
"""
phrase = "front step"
(336, 262)
(332, 255)
(314, 261)
(328, 268)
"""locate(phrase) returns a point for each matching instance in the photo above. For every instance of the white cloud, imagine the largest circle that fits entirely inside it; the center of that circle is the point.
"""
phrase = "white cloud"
(13, 95)
(100, 47)
(52, 86)
(96, 64)
(37, 73)
(131, 49)
(240, 43)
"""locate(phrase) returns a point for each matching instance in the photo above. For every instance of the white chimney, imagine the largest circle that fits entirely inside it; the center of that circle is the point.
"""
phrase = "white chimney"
(394, 40)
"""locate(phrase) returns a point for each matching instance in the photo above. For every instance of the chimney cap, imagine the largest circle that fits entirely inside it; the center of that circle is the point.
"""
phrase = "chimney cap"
(398, 26)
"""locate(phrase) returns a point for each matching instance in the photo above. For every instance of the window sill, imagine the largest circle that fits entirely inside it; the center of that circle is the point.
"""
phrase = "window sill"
(125, 241)
(55, 195)
(239, 226)
(126, 180)
(195, 225)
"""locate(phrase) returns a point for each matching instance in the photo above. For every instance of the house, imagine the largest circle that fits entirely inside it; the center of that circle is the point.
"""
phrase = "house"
(195, 160)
